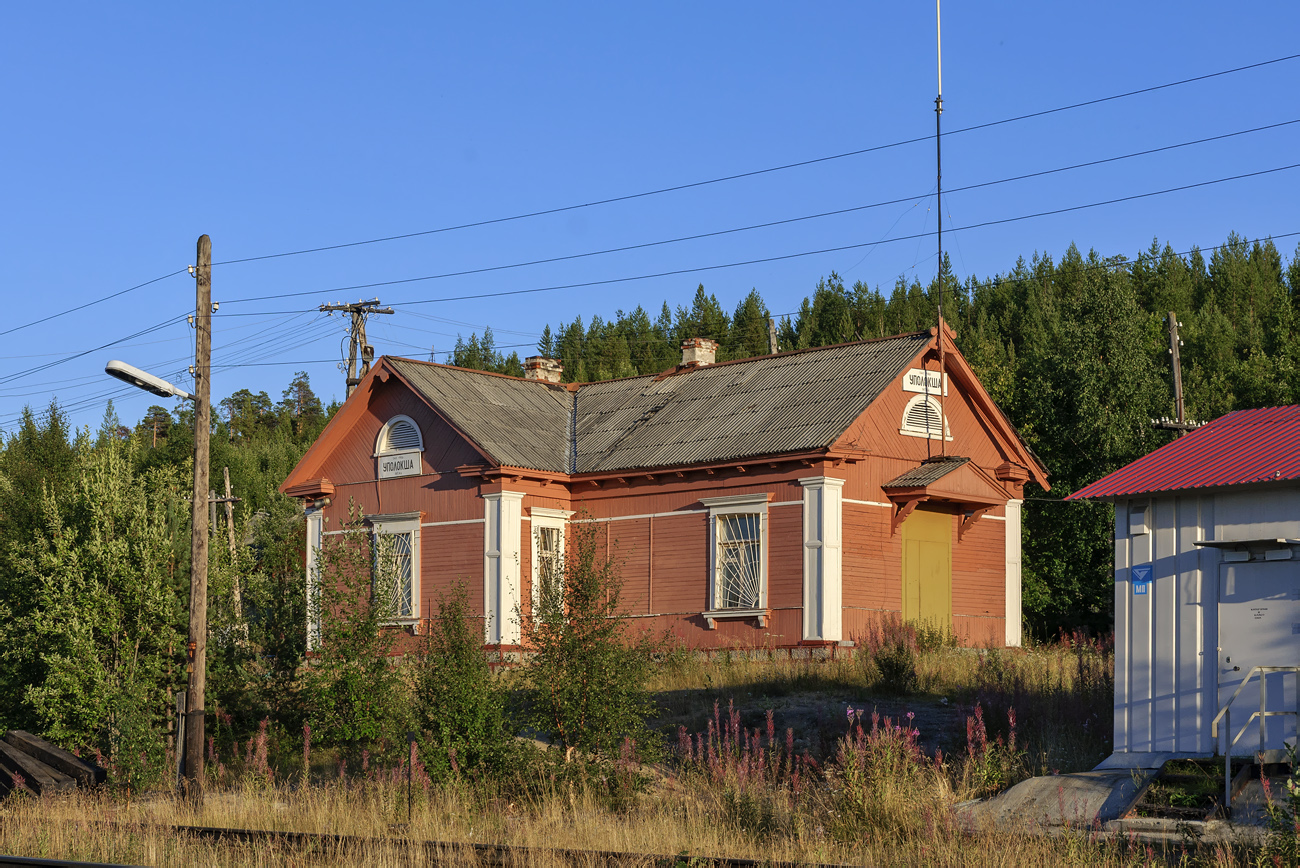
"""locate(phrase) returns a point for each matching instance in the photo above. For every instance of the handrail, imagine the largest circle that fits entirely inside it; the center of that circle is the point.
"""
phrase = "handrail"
(1225, 713)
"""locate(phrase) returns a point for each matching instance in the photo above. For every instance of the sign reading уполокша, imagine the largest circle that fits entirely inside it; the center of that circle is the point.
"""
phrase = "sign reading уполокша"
(919, 380)
(395, 464)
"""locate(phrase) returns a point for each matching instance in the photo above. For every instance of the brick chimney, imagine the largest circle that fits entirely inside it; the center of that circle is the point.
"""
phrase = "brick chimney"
(541, 368)
(698, 351)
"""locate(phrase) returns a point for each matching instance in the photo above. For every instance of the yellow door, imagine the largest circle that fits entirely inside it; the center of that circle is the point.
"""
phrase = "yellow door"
(927, 568)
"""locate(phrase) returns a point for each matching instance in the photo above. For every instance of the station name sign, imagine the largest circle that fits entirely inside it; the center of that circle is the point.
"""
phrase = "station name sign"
(921, 380)
(395, 464)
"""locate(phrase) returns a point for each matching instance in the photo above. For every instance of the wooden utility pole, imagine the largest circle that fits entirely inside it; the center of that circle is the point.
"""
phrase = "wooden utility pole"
(1179, 423)
(360, 310)
(198, 636)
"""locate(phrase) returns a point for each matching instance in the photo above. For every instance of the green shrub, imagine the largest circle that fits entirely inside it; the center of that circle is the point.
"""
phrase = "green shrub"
(355, 696)
(588, 677)
(896, 665)
(459, 707)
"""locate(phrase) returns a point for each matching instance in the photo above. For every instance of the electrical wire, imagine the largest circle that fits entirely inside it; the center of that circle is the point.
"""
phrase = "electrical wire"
(90, 303)
(29, 371)
(756, 172)
(772, 223)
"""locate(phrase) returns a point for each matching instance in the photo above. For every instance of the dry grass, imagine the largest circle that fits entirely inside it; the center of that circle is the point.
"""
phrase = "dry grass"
(801, 784)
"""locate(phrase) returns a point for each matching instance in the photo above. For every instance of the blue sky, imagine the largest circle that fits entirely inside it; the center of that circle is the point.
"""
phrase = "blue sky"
(132, 129)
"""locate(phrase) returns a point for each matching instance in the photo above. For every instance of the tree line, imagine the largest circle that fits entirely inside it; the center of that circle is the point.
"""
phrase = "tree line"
(1074, 350)
(94, 526)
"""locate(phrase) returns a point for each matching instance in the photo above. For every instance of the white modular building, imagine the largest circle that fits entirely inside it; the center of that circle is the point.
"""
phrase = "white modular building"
(1207, 588)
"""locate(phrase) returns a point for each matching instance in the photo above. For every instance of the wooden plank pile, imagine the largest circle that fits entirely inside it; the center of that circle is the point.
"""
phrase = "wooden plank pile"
(41, 767)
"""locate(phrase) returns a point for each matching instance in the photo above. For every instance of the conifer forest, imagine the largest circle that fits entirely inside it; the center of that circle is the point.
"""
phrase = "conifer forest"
(94, 525)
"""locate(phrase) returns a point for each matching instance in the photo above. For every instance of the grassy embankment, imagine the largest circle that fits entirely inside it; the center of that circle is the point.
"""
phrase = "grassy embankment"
(762, 759)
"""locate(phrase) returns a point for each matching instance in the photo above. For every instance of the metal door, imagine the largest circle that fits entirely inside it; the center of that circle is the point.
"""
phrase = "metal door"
(1259, 625)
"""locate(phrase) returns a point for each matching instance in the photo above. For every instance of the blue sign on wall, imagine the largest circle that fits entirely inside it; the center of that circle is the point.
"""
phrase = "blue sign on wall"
(1140, 576)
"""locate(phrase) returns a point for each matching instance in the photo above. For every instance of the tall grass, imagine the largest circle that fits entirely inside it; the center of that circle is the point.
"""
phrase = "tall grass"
(870, 786)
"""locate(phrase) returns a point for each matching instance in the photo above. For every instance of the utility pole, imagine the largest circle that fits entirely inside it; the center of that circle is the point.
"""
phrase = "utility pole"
(938, 201)
(360, 310)
(198, 638)
(1179, 423)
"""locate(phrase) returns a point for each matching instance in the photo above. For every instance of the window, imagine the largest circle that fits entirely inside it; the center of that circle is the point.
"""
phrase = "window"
(548, 556)
(923, 417)
(738, 557)
(396, 552)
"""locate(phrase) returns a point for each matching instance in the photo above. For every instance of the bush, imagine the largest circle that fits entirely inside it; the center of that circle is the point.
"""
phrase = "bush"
(461, 710)
(896, 665)
(355, 696)
(588, 677)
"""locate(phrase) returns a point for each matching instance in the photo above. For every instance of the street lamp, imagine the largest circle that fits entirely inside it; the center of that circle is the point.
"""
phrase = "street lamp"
(198, 630)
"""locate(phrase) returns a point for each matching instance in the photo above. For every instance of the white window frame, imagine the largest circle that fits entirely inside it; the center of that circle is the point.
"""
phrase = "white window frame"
(737, 504)
(545, 517)
(381, 441)
(401, 523)
(919, 431)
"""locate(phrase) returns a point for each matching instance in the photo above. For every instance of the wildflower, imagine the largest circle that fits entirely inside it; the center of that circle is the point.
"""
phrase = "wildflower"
(850, 714)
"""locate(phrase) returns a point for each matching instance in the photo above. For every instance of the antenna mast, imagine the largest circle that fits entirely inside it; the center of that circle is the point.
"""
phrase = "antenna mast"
(938, 199)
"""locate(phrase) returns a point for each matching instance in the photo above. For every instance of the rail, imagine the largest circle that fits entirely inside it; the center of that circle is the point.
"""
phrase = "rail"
(1225, 714)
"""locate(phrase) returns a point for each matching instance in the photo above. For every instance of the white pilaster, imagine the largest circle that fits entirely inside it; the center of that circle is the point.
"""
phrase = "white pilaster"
(823, 577)
(502, 528)
(1013, 595)
(314, 537)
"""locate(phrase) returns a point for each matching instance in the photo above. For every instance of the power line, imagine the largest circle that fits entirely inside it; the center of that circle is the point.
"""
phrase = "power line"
(20, 374)
(756, 172)
(766, 259)
(90, 303)
(772, 223)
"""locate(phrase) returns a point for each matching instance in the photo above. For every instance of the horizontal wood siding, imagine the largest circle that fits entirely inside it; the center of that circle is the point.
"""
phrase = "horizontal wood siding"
(630, 544)
(785, 557)
(979, 583)
(681, 566)
(866, 550)
(449, 555)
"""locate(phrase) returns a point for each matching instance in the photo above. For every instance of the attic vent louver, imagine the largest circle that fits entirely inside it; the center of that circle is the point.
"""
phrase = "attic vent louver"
(922, 418)
(402, 434)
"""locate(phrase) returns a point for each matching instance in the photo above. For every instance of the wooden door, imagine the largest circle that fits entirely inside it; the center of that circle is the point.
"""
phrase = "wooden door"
(927, 568)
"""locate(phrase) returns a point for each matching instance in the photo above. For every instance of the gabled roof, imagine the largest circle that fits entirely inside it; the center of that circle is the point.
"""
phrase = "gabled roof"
(789, 402)
(520, 423)
(929, 471)
(950, 478)
(1247, 446)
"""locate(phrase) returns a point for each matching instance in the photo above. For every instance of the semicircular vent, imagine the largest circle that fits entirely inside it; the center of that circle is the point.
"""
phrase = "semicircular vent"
(923, 417)
(402, 434)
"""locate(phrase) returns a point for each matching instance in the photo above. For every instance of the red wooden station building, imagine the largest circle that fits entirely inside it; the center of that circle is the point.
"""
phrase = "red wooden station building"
(779, 501)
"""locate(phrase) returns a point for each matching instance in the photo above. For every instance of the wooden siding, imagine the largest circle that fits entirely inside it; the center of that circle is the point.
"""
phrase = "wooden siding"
(785, 558)
(451, 554)
(979, 583)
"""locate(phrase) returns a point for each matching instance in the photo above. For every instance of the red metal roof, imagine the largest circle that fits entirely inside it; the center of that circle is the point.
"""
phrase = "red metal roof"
(1260, 445)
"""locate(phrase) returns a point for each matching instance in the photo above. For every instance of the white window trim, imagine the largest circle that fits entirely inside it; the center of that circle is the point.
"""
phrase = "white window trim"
(737, 504)
(921, 432)
(502, 528)
(823, 554)
(403, 522)
(383, 435)
(541, 517)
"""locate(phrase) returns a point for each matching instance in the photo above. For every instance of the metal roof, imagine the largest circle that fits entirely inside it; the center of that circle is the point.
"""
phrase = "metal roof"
(790, 402)
(1247, 446)
(931, 470)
